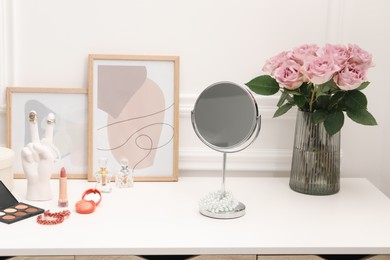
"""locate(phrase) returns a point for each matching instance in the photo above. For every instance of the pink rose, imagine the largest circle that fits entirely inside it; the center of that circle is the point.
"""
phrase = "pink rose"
(360, 56)
(288, 75)
(339, 53)
(274, 62)
(304, 52)
(351, 77)
(320, 69)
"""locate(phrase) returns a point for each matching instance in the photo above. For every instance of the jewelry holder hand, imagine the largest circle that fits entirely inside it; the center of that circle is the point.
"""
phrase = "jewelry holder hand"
(38, 158)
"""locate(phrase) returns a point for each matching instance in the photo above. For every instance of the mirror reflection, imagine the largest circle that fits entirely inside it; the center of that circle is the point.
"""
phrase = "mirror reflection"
(225, 115)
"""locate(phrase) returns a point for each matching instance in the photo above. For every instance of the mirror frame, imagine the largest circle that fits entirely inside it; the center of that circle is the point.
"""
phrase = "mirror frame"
(250, 137)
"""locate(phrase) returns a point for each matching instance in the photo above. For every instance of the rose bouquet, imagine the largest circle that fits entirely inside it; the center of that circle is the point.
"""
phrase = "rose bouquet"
(326, 81)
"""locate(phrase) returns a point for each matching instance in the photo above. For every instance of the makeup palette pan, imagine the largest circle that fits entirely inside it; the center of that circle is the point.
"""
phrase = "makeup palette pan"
(11, 210)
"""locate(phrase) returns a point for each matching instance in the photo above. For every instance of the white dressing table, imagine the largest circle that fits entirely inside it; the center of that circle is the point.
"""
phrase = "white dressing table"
(162, 218)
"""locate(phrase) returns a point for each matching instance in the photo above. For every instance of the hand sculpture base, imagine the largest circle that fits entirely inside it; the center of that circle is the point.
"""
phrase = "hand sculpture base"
(38, 175)
(39, 191)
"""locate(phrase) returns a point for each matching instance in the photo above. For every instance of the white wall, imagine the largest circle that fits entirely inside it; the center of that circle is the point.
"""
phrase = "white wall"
(45, 43)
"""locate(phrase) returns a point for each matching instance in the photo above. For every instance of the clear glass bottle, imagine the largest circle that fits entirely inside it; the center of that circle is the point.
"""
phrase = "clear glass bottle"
(103, 177)
(124, 178)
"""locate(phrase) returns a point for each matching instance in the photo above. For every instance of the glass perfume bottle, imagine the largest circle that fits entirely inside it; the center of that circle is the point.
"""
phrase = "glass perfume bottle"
(124, 178)
(103, 177)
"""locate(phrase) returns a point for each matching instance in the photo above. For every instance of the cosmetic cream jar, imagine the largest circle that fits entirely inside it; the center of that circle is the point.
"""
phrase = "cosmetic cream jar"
(7, 157)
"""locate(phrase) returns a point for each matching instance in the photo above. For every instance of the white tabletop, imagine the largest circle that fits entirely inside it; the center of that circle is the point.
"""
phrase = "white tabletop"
(163, 218)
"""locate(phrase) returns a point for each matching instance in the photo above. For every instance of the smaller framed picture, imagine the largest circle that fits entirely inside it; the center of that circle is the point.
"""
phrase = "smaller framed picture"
(133, 113)
(69, 105)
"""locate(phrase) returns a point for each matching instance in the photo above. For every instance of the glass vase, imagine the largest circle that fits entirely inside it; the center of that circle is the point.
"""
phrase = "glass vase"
(315, 167)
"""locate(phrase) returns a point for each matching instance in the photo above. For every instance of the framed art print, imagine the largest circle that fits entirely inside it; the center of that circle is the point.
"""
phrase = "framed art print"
(69, 105)
(133, 112)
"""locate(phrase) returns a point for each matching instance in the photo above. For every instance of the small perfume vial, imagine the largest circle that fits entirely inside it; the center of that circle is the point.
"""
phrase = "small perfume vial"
(103, 177)
(124, 178)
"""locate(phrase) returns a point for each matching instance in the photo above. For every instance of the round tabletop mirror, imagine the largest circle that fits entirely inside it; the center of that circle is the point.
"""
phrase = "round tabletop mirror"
(225, 117)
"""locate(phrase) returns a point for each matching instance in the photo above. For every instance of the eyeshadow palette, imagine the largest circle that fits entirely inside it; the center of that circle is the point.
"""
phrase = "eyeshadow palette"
(11, 210)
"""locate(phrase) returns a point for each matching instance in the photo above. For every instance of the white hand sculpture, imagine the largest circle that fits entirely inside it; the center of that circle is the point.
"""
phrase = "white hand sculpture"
(38, 159)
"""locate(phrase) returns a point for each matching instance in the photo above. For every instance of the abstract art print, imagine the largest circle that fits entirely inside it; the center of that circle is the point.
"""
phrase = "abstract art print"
(133, 113)
(69, 105)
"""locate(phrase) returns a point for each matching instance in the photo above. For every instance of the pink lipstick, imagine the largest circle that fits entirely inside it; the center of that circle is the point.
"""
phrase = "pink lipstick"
(63, 197)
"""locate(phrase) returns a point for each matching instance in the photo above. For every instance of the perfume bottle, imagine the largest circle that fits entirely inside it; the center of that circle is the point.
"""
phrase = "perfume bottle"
(124, 178)
(103, 177)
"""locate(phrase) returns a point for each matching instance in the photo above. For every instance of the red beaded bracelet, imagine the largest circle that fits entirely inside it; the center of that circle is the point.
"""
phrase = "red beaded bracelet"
(52, 218)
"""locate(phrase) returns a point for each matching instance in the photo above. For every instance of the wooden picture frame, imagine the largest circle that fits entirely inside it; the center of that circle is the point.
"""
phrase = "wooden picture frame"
(69, 106)
(133, 109)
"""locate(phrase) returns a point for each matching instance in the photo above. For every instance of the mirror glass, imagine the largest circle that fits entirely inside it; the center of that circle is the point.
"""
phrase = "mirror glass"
(225, 116)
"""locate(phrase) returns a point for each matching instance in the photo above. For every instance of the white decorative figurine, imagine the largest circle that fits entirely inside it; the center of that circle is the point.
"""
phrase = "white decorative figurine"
(38, 159)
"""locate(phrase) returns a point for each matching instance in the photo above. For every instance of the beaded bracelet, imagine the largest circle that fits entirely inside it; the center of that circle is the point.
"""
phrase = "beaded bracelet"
(52, 218)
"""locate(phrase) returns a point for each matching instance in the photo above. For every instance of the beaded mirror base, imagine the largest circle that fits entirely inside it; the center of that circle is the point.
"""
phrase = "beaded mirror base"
(221, 205)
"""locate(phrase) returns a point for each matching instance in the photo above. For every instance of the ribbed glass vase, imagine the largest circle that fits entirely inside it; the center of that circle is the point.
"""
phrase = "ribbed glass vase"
(315, 167)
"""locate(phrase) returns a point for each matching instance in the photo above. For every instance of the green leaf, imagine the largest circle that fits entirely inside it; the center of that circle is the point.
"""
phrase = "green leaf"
(320, 94)
(282, 98)
(363, 85)
(300, 100)
(293, 92)
(323, 102)
(264, 85)
(325, 87)
(334, 122)
(320, 116)
(362, 116)
(336, 99)
(290, 100)
(305, 89)
(283, 109)
(355, 100)
(329, 84)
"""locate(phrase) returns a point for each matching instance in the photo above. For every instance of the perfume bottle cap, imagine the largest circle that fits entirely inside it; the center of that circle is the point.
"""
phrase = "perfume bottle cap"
(125, 166)
(102, 162)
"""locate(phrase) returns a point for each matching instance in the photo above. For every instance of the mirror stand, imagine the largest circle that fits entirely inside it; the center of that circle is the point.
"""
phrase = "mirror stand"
(225, 118)
(221, 204)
